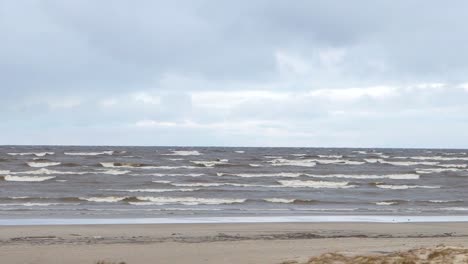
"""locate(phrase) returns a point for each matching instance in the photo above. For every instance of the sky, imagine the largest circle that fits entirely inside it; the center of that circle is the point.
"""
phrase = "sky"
(234, 73)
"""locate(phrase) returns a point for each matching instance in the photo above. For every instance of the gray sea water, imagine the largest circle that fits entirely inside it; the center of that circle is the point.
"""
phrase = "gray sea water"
(138, 182)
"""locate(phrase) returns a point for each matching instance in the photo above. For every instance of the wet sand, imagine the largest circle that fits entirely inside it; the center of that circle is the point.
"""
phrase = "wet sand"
(217, 243)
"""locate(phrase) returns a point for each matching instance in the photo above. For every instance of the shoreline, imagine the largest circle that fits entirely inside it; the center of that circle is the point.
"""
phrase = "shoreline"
(261, 243)
(238, 219)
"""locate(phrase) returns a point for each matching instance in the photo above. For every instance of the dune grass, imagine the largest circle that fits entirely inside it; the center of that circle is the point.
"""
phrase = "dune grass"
(438, 255)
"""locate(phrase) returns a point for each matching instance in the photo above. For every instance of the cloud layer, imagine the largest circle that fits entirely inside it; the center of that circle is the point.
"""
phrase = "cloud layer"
(250, 73)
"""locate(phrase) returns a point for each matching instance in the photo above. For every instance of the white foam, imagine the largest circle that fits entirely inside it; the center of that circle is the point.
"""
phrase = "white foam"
(400, 163)
(273, 157)
(184, 201)
(314, 184)
(109, 199)
(436, 170)
(404, 187)
(152, 190)
(163, 182)
(42, 164)
(110, 152)
(386, 203)
(436, 158)
(115, 172)
(453, 165)
(331, 156)
(360, 152)
(358, 176)
(298, 155)
(176, 159)
(137, 166)
(176, 174)
(208, 163)
(286, 162)
(252, 175)
(45, 171)
(444, 201)
(255, 165)
(4, 172)
(239, 151)
(27, 178)
(34, 204)
(37, 154)
(279, 200)
(184, 153)
(338, 161)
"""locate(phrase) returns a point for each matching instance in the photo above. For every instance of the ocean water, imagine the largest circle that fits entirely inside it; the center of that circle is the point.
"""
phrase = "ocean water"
(40, 182)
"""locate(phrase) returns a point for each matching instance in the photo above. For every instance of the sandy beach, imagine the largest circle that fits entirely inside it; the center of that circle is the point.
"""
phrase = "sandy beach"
(217, 243)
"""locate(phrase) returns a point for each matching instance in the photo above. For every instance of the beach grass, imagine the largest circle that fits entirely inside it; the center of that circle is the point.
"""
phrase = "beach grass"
(437, 255)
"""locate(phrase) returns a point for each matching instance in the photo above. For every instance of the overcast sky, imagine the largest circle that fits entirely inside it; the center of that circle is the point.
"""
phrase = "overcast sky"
(234, 73)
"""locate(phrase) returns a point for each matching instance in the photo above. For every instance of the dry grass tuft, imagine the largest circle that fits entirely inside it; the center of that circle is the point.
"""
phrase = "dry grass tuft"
(438, 255)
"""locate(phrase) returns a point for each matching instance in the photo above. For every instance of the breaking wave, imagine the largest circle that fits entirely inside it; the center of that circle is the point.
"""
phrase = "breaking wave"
(315, 184)
(37, 154)
(27, 178)
(110, 152)
(184, 153)
(184, 201)
(42, 164)
(404, 187)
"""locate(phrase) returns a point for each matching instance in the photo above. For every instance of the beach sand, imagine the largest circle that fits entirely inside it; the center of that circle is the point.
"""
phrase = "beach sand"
(217, 243)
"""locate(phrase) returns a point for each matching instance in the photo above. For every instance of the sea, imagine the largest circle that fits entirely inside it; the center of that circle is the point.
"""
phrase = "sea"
(87, 182)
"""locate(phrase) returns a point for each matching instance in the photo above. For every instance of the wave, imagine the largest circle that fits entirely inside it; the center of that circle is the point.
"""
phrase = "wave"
(436, 170)
(109, 152)
(217, 184)
(315, 184)
(273, 157)
(109, 199)
(453, 165)
(300, 163)
(331, 156)
(445, 201)
(45, 171)
(279, 200)
(27, 178)
(240, 151)
(37, 154)
(255, 165)
(176, 174)
(386, 203)
(148, 200)
(401, 163)
(434, 158)
(357, 176)
(253, 175)
(152, 190)
(35, 204)
(184, 153)
(4, 172)
(42, 164)
(404, 187)
(299, 155)
(176, 159)
(338, 161)
(206, 163)
(162, 182)
(114, 172)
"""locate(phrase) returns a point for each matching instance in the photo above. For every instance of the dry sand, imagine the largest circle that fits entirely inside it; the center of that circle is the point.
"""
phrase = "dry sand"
(217, 243)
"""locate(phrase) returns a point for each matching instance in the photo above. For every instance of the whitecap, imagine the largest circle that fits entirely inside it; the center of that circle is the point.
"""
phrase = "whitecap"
(252, 175)
(286, 162)
(207, 163)
(115, 172)
(358, 176)
(400, 163)
(163, 182)
(436, 170)
(255, 165)
(176, 174)
(109, 199)
(444, 201)
(152, 190)
(404, 187)
(338, 161)
(386, 203)
(314, 184)
(185, 200)
(239, 151)
(48, 172)
(42, 164)
(27, 178)
(331, 156)
(184, 153)
(176, 159)
(437, 158)
(37, 154)
(279, 200)
(110, 152)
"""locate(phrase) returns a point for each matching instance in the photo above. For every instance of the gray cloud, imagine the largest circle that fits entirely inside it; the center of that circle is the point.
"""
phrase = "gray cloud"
(206, 67)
